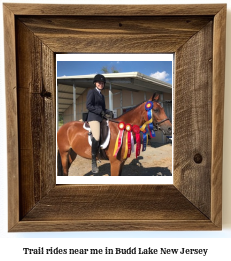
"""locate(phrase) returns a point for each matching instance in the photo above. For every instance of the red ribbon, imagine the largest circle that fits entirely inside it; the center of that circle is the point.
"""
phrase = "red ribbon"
(136, 130)
(119, 139)
(128, 129)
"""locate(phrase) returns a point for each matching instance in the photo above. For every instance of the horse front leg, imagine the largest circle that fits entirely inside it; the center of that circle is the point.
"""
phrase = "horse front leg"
(121, 167)
(116, 167)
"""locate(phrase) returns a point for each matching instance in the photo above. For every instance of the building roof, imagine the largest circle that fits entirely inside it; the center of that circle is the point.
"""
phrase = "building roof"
(133, 81)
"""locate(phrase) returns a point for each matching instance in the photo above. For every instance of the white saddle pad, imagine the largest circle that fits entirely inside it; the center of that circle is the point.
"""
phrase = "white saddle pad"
(106, 142)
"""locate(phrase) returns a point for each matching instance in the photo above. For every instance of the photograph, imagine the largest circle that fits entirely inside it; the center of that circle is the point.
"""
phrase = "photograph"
(114, 118)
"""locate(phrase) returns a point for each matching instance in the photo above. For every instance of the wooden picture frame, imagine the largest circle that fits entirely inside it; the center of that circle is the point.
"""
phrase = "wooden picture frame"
(33, 34)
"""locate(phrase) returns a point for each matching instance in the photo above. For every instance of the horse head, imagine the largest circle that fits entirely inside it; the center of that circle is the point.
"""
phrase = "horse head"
(160, 119)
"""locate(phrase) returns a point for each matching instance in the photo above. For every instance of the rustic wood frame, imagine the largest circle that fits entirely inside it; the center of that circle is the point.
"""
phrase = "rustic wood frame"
(33, 34)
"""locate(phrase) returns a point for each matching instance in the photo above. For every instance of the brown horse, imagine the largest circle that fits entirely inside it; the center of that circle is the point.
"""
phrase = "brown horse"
(72, 139)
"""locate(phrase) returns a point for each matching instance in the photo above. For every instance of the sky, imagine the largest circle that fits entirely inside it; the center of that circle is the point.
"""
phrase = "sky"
(161, 70)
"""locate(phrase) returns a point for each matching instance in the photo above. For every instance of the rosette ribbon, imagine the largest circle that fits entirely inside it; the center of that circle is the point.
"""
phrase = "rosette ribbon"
(145, 139)
(132, 141)
(150, 125)
(149, 122)
(148, 105)
(136, 130)
(128, 145)
(119, 139)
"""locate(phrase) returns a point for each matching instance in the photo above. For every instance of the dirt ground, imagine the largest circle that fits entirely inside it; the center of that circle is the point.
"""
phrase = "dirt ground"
(155, 161)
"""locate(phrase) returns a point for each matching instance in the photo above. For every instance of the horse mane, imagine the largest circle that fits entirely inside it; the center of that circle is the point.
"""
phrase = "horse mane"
(133, 108)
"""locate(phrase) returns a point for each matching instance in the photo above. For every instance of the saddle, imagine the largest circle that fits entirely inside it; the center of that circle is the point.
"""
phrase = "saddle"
(104, 136)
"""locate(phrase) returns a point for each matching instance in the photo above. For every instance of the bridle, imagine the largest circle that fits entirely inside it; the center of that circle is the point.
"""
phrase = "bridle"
(156, 124)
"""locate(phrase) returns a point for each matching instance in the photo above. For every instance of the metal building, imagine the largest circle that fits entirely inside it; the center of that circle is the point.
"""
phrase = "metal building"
(122, 91)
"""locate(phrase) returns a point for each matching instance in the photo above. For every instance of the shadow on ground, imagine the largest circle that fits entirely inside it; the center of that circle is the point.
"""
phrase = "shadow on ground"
(134, 168)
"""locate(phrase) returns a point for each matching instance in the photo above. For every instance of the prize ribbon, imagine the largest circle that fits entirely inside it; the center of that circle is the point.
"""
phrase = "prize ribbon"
(145, 124)
(145, 139)
(119, 139)
(149, 122)
(151, 130)
(132, 141)
(150, 125)
(136, 130)
(127, 152)
(148, 105)
(147, 136)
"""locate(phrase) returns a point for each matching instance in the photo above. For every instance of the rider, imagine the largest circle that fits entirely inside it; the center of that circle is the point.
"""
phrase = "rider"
(96, 112)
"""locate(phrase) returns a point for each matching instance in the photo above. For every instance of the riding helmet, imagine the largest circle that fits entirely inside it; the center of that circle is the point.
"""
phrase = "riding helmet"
(99, 78)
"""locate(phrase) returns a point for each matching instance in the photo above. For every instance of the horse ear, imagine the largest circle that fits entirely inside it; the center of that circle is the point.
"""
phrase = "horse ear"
(155, 97)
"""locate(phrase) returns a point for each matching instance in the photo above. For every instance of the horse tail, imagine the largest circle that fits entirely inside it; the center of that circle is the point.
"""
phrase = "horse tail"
(59, 165)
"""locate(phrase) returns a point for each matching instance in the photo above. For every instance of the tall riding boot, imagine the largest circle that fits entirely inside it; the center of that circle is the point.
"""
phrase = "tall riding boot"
(94, 150)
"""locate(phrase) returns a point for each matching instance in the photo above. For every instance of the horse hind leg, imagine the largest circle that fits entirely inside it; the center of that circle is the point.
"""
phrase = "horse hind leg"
(64, 156)
(71, 157)
(59, 165)
(64, 161)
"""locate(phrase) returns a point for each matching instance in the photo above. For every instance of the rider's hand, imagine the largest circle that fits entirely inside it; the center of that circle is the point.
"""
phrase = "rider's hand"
(111, 114)
(103, 113)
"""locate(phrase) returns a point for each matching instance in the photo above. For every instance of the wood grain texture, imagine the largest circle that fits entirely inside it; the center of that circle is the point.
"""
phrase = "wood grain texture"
(112, 208)
(193, 128)
(104, 202)
(115, 10)
(117, 34)
(11, 116)
(36, 106)
(218, 114)
(189, 204)
(114, 225)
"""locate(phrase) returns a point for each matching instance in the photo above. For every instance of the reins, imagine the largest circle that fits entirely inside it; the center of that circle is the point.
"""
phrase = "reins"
(111, 120)
(155, 123)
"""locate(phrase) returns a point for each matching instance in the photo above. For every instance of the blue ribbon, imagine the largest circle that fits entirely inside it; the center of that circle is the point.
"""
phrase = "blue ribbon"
(149, 114)
(150, 125)
(151, 130)
(144, 139)
(148, 105)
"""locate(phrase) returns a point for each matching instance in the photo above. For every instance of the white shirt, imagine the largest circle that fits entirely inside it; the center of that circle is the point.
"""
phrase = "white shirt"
(98, 90)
